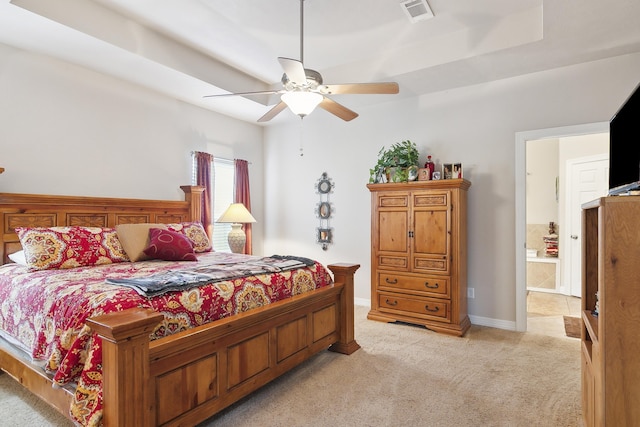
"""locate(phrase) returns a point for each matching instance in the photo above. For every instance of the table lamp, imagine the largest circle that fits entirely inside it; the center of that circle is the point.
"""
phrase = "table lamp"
(236, 214)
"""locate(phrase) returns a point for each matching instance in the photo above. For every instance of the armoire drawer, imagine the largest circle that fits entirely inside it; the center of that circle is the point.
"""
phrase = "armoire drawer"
(423, 285)
(425, 308)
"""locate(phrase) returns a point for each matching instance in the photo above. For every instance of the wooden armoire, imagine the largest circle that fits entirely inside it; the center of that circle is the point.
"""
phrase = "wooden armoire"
(419, 254)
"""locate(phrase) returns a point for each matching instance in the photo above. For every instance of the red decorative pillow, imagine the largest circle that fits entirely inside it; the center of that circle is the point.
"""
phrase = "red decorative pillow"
(195, 232)
(68, 247)
(169, 245)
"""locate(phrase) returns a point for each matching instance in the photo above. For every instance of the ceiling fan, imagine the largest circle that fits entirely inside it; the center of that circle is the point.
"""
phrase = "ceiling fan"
(303, 89)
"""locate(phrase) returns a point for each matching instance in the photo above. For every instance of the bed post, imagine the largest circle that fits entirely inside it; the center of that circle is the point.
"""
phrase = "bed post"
(125, 362)
(193, 194)
(343, 273)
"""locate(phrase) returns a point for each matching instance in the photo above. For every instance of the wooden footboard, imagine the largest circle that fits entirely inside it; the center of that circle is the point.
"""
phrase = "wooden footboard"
(186, 378)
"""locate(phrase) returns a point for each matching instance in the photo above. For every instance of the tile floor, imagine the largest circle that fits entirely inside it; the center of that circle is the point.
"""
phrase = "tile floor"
(545, 311)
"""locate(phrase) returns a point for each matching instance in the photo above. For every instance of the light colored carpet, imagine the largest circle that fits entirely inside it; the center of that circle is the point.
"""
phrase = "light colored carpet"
(403, 376)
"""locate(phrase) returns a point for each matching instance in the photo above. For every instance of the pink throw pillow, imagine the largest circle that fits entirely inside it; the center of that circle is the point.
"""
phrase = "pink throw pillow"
(169, 245)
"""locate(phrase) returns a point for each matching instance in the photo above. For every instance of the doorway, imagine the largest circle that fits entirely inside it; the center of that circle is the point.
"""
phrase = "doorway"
(522, 138)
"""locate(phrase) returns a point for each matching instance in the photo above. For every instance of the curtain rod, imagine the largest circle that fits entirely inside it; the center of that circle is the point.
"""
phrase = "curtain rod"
(223, 158)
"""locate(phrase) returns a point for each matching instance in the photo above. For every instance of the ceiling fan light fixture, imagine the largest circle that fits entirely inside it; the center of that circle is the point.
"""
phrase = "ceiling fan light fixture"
(303, 88)
(301, 103)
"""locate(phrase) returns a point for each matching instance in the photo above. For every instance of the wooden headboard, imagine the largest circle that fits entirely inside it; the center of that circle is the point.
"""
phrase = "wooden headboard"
(36, 210)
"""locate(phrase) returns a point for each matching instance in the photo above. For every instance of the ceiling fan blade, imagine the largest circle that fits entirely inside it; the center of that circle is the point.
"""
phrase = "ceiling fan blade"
(260, 92)
(294, 70)
(273, 112)
(337, 109)
(360, 88)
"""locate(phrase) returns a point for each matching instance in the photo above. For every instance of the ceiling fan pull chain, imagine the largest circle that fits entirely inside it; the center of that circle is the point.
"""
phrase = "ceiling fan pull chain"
(301, 149)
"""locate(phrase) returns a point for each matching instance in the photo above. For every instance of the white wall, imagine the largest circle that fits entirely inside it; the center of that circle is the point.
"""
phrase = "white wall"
(542, 172)
(70, 131)
(473, 125)
(67, 130)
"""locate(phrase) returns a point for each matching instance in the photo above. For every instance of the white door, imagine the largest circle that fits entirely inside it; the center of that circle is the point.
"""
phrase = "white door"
(587, 179)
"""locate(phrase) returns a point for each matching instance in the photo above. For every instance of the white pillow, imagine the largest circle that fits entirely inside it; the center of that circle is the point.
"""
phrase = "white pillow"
(18, 258)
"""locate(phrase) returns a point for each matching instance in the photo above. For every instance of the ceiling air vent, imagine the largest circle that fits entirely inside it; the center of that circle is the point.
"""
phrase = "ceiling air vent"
(416, 10)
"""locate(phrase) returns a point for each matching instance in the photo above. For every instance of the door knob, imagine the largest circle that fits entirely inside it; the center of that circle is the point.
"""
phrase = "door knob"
(574, 237)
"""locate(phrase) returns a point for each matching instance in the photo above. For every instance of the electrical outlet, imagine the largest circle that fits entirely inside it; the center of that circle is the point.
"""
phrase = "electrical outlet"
(471, 293)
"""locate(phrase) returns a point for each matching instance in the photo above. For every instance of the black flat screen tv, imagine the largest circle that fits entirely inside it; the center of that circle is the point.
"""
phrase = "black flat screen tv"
(624, 147)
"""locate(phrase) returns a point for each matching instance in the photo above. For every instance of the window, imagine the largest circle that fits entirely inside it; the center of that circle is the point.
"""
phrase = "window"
(223, 175)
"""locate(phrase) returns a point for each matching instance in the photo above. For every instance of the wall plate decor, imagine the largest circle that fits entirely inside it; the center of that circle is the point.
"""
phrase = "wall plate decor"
(324, 211)
(324, 186)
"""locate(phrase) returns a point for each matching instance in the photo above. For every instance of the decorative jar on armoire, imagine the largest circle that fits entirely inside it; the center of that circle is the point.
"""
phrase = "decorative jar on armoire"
(419, 254)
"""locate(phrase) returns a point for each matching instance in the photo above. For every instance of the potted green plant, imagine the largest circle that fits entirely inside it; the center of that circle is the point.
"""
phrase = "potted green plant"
(396, 164)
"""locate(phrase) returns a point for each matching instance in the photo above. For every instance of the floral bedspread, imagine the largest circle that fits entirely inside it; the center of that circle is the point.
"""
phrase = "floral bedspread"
(44, 312)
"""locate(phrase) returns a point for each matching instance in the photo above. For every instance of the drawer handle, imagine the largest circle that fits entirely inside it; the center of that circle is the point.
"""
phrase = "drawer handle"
(392, 303)
(433, 310)
(391, 282)
(427, 285)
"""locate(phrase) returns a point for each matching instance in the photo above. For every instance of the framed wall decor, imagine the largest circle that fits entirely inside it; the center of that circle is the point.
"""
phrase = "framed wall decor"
(324, 210)
(324, 185)
(324, 235)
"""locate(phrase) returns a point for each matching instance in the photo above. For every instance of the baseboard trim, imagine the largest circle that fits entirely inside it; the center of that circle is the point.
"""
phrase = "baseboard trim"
(475, 320)
(493, 323)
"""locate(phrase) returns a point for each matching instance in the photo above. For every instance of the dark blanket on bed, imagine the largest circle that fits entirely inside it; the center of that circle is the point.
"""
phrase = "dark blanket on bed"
(202, 273)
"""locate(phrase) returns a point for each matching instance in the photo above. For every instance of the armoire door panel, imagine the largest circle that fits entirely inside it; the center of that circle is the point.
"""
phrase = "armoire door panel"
(393, 231)
(431, 232)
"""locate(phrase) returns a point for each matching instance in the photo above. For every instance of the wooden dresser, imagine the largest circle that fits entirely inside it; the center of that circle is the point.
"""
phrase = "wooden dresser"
(419, 254)
(611, 339)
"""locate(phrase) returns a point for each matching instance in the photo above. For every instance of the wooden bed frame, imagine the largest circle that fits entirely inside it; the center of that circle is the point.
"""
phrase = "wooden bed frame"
(190, 376)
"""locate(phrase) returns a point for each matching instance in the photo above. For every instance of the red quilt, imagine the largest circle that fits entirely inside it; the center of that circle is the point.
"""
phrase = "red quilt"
(44, 312)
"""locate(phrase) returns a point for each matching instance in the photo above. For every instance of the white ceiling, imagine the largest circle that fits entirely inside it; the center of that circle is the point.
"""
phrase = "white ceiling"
(191, 48)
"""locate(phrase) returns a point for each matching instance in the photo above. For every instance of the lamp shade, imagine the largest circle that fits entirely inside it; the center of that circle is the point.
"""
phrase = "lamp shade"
(236, 213)
(301, 103)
